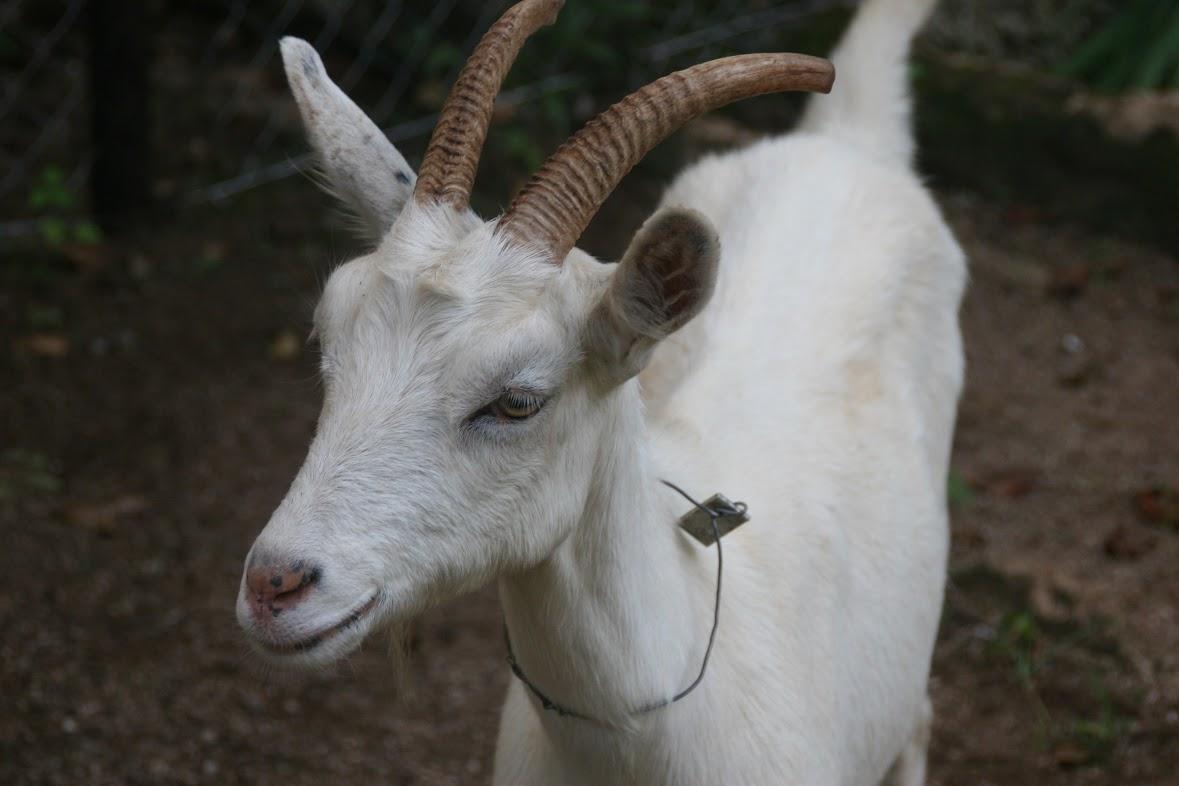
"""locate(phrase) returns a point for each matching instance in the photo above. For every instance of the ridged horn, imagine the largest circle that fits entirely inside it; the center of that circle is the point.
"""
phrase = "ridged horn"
(555, 206)
(448, 169)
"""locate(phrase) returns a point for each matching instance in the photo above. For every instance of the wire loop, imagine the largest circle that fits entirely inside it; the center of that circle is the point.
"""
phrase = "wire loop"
(737, 509)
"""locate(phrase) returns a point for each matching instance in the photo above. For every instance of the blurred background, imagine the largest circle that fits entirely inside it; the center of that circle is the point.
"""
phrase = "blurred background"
(162, 246)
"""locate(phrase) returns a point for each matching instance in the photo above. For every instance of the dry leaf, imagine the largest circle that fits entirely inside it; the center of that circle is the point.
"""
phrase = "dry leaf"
(104, 516)
(969, 537)
(50, 345)
(1050, 599)
(1158, 505)
(1011, 483)
(1070, 755)
(86, 256)
(1068, 281)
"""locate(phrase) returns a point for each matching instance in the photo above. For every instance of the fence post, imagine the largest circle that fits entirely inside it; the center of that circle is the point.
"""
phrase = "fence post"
(120, 95)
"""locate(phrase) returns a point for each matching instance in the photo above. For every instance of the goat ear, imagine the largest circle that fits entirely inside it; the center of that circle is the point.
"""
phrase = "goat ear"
(664, 280)
(361, 167)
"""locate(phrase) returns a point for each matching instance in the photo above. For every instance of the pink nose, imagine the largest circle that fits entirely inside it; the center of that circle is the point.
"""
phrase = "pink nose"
(274, 587)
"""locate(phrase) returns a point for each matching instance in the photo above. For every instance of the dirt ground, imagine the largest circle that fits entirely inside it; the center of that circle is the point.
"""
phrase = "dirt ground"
(158, 395)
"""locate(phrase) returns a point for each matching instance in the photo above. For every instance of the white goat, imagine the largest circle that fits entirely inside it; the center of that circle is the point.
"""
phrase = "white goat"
(485, 418)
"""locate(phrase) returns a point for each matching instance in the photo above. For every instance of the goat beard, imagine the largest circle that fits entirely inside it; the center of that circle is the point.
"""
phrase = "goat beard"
(403, 638)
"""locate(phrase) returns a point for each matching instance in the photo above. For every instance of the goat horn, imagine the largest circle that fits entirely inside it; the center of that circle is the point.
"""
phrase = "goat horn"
(448, 169)
(557, 203)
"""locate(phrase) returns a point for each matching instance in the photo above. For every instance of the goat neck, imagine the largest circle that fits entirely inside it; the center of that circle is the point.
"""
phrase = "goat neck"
(617, 617)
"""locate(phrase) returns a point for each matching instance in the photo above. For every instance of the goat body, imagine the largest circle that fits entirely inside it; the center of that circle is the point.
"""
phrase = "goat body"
(820, 386)
(483, 421)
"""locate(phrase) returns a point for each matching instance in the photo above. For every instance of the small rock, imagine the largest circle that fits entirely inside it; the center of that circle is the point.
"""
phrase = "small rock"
(1076, 363)
(69, 725)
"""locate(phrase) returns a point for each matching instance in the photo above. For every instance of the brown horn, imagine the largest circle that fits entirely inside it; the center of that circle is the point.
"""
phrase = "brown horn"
(452, 157)
(557, 203)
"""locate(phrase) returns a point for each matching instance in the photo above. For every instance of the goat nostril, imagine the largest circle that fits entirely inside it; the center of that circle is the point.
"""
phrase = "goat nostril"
(276, 588)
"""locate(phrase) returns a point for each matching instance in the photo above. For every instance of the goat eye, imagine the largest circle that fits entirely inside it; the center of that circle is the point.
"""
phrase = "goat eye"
(516, 405)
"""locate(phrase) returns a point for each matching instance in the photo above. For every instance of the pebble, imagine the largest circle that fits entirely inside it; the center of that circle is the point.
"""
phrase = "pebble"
(1076, 363)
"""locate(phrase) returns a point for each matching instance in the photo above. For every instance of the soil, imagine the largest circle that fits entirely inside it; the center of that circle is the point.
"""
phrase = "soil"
(158, 395)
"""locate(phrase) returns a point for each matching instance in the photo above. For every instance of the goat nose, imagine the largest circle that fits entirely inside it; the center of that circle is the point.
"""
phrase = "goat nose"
(275, 587)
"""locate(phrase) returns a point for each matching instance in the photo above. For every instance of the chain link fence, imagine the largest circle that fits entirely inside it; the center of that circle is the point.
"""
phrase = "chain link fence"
(219, 121)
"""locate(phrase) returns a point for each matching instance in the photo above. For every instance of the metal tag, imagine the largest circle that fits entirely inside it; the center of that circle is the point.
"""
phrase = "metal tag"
(698, 524)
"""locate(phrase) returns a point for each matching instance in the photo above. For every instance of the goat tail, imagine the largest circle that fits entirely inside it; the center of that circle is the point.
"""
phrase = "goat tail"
(869, 105)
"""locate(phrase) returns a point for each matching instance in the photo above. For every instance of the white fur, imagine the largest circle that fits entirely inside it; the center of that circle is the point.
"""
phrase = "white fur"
(819, 386)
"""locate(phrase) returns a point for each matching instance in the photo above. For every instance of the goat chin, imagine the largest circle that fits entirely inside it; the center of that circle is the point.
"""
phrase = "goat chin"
(396, 638)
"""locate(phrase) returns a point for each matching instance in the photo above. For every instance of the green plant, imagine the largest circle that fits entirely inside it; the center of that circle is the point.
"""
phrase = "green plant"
(1019, 640)
(27, 472)
(519, 145)
(50, 191)
(1099, 736)
(9, 50)
(1137, 50)
(958, 491)
(44, 317)
(51, 197)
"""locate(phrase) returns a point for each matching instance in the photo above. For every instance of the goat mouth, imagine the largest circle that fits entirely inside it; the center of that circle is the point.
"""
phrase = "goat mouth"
(313, 641)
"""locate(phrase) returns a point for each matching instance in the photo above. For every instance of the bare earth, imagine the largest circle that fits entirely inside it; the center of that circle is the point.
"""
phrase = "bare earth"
(153, 420)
